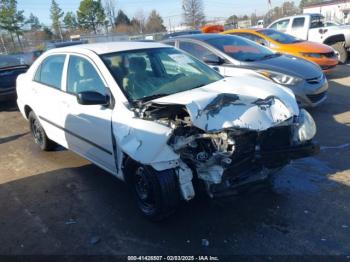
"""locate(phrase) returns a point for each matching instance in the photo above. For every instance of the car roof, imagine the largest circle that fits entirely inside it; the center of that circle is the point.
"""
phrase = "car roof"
(200, 37)
(300, 15)
(243, 30)
(110, 47)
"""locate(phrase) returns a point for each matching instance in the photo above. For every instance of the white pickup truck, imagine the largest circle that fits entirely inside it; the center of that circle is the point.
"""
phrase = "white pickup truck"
(312, 27)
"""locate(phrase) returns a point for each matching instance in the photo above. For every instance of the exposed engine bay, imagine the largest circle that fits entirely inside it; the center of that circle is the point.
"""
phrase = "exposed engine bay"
(229, 157)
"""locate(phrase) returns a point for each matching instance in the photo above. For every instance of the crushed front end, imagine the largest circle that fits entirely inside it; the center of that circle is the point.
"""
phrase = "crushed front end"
(231, 158)
(226, 158)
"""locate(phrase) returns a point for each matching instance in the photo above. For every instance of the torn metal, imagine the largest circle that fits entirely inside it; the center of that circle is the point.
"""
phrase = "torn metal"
(208, 131)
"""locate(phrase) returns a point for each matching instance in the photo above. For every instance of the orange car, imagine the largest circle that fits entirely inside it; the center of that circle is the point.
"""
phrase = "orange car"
(320, 54)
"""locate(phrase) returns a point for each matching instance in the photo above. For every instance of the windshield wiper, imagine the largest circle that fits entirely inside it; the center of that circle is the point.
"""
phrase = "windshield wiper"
(249, 60)
(151, 97)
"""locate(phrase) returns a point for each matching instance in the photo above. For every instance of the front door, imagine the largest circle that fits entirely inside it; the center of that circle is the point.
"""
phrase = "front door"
(87, 127)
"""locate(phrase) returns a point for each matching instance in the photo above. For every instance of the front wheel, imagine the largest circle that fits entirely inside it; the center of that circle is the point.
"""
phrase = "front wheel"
(39, 134)
(342, 52)
(157, 192)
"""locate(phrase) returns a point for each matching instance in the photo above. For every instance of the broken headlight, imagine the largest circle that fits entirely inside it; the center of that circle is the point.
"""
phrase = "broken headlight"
(306, 129)
(280, 78)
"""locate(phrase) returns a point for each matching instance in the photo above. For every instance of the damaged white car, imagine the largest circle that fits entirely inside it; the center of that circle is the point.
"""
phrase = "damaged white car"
(161, 120)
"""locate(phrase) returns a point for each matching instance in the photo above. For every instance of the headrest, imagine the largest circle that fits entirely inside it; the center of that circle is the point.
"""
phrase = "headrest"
(137, 64)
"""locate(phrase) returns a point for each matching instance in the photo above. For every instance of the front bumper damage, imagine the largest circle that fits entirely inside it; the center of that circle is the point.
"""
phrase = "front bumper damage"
(259, 169)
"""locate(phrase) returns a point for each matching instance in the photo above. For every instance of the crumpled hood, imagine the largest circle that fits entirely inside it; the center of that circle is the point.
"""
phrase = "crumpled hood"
(243, 102)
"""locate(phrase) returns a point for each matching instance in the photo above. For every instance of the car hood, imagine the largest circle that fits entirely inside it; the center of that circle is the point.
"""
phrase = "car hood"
(243, 102)
(287, 64)
(338, 27)
(309, 47)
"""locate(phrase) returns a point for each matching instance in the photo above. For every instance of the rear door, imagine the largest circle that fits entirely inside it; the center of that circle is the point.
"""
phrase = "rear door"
(47, 94)
(87, 127)
(299, 27)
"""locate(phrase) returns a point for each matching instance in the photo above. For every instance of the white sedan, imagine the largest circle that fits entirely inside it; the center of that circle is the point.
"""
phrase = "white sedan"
(161, 120)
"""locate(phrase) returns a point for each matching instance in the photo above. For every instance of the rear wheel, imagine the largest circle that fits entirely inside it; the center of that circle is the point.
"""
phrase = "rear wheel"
(157, 193)
(39, 134)
(342, 52)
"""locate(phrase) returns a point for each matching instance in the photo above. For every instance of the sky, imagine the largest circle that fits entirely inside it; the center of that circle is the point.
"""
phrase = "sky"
(170, 10)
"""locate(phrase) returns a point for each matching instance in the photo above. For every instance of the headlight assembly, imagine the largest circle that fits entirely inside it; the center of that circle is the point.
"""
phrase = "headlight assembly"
(280, 78)
(306, 128)
(314, 55)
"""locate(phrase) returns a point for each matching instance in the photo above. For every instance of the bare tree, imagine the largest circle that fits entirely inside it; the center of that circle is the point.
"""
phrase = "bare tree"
(141, 19)
(193, 12)
(110, 10)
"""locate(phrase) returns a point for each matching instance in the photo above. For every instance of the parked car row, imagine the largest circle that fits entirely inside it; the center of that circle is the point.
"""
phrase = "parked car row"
(199, 113)
(163, 121)
(234, 56)
(313, 27)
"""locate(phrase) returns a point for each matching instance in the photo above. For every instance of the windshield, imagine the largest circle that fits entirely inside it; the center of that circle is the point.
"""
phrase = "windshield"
(7, 61)
(150, 73)
(279, 37)
(240, 49)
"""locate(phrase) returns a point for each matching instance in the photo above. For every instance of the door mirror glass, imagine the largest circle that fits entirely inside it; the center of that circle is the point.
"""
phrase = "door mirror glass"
(212, 59)
(92, 98)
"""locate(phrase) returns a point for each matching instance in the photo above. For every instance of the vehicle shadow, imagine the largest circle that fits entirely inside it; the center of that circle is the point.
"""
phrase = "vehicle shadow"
(11, 138)
(86, 211)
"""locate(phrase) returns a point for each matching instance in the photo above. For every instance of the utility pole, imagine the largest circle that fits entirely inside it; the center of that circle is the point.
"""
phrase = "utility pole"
(3, 44)
(59, 28)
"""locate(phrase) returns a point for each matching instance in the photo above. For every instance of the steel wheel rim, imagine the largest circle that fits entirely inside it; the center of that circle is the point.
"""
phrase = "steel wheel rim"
(37, 132)
(143, 189)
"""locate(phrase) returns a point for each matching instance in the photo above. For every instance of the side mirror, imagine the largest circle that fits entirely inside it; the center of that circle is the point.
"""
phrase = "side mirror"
(212, 59)
(92, 98)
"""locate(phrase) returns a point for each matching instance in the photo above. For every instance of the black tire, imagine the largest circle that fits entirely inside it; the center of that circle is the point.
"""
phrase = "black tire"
(39, 134)
(342, 52)
(157, 193)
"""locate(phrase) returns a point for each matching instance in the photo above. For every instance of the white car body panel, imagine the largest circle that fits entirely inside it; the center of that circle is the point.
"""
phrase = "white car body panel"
(145, 141)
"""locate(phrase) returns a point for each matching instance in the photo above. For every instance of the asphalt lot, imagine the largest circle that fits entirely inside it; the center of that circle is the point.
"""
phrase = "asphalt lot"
(59, 203)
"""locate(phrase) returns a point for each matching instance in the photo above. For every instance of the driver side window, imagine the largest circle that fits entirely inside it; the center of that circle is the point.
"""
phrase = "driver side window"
(82, 77)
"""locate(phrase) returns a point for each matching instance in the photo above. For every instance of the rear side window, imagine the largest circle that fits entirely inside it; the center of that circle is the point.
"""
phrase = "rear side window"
(50, 71)
(298, 22)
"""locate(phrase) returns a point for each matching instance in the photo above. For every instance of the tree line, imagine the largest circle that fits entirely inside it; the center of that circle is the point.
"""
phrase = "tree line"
(94, 16)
